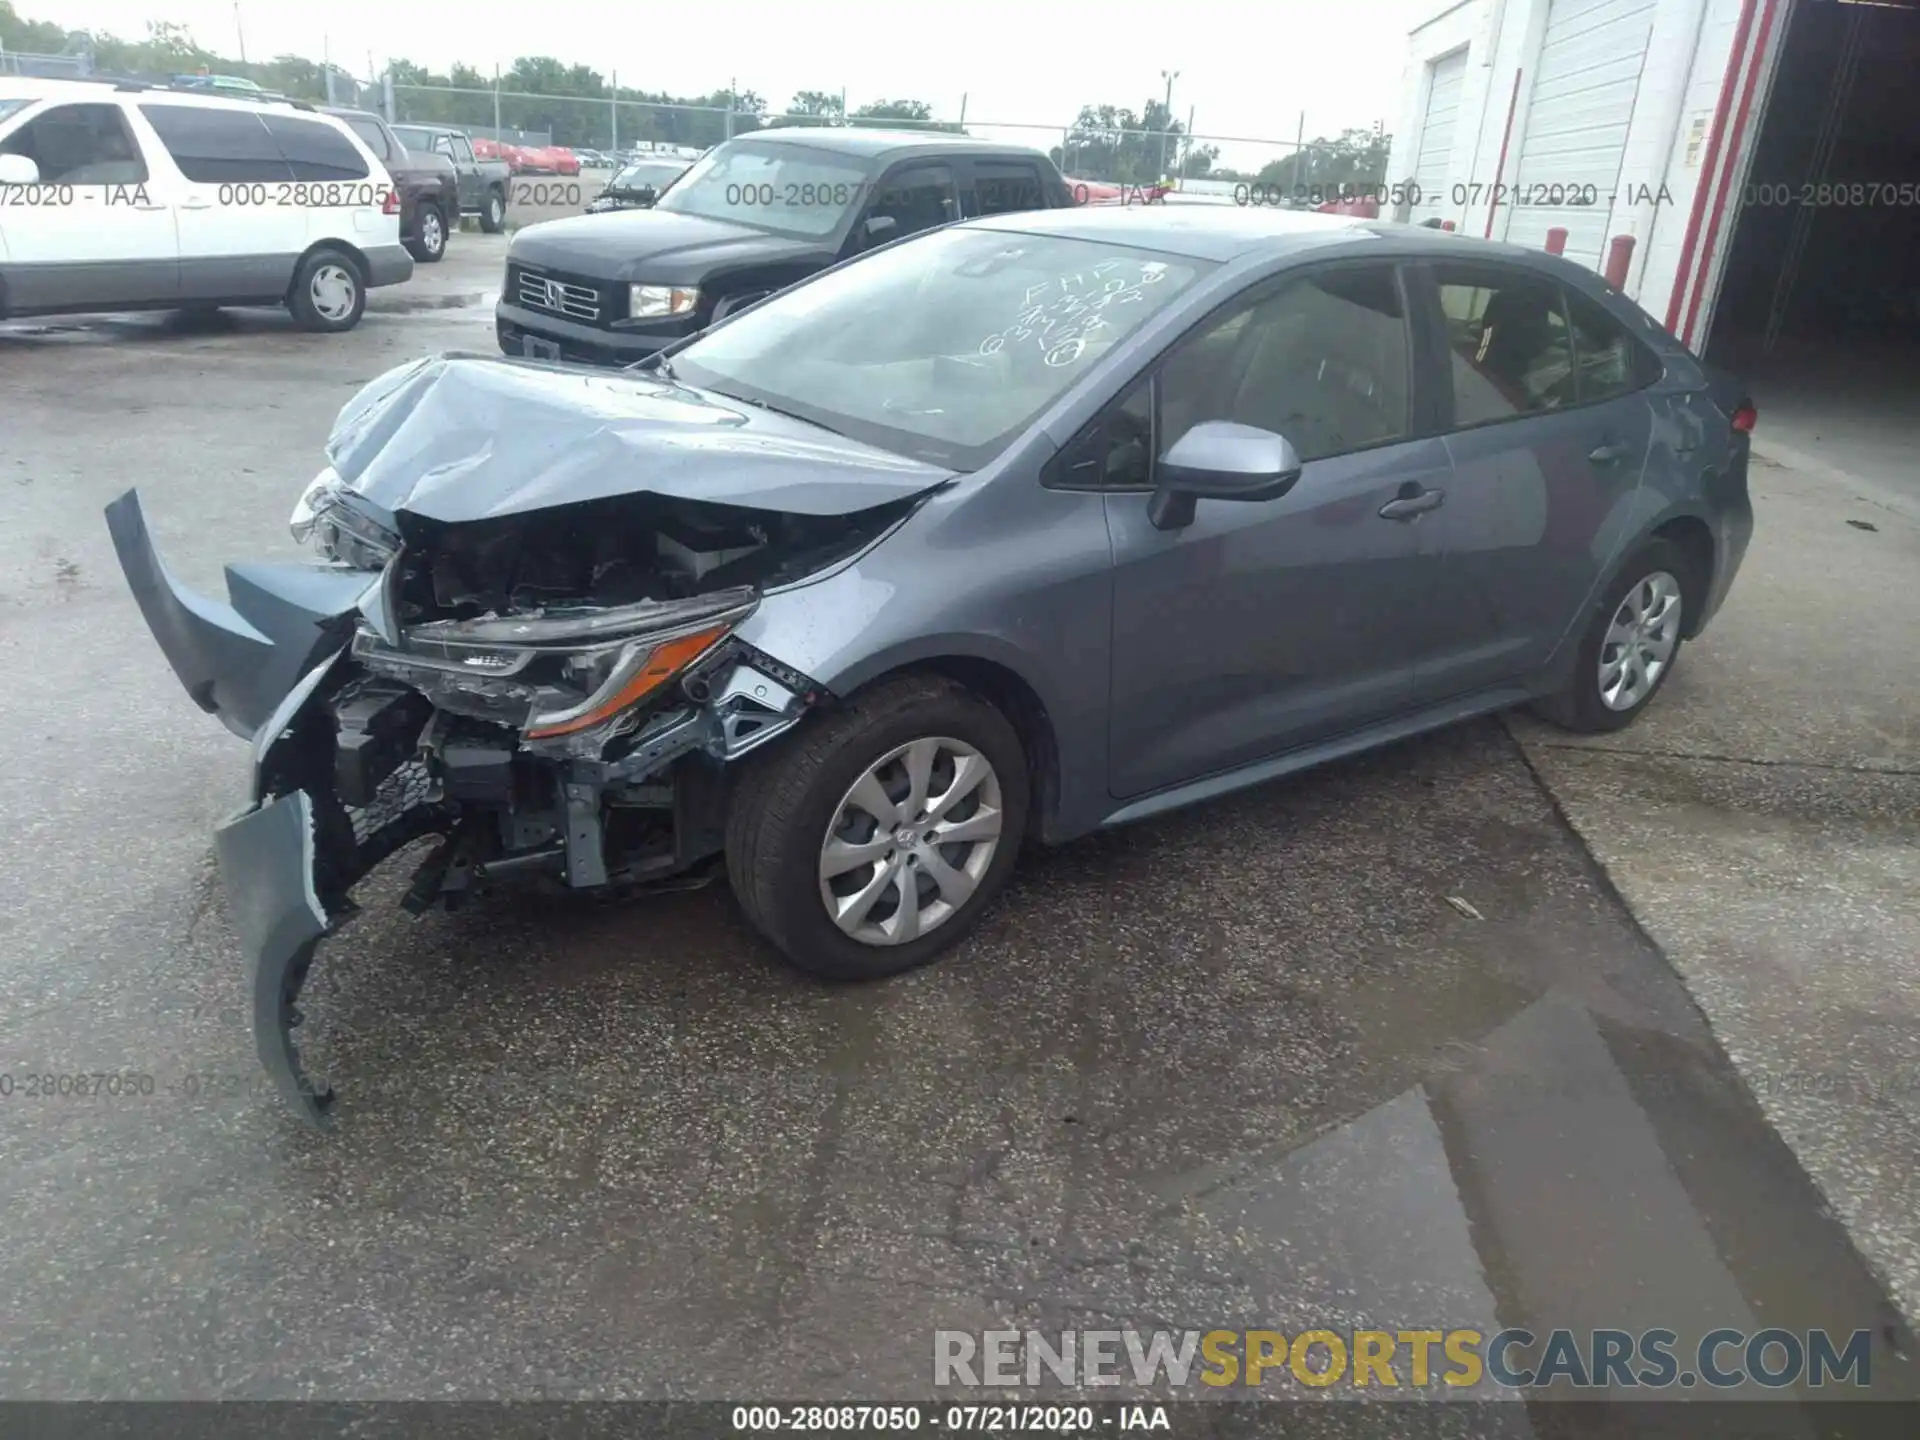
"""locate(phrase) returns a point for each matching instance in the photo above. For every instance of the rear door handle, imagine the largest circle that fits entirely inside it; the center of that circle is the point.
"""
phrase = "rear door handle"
(1607, 452)
(196, 205)
(1406, 507)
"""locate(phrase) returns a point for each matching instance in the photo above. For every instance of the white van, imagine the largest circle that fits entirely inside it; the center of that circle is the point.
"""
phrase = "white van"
(120, 195)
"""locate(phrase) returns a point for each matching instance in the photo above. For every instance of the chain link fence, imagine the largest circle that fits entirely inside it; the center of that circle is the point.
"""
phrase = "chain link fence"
(45, 67)
(1115, 156)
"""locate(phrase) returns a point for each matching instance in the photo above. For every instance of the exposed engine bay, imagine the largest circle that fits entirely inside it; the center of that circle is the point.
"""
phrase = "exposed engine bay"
(518, 639)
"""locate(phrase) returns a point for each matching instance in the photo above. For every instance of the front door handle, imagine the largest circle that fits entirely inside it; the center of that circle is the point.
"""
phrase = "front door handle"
(1406, 507)
(1607, 452)
(196, 205)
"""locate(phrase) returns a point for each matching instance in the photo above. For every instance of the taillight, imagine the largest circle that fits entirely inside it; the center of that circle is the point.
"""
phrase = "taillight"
(391, 205)
(1745, 417)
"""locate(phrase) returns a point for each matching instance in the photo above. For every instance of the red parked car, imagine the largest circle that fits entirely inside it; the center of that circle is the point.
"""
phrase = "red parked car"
(1098, 192)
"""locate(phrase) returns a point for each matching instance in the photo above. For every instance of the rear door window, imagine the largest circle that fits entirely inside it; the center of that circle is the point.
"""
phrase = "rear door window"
(1608, 362)
(370, 133)
(218, 147)
(1002, 187)
(315, 150)
(1509, 343)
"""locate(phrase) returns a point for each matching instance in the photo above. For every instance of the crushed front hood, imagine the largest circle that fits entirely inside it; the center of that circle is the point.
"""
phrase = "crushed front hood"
(456, 438)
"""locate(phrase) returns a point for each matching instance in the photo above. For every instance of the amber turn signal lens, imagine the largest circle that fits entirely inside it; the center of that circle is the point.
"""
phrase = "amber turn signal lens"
(663, 662)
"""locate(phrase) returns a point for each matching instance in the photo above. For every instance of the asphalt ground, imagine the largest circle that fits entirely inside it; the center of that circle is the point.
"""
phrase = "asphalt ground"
(1246, 1066)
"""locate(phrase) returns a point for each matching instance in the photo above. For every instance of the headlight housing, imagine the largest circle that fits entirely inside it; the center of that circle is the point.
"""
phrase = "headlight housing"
(314, 502)
(661, 302)
(580, 675)
(326, 518)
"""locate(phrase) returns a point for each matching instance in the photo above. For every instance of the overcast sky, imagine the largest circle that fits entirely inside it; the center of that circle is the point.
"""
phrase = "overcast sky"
(1247, 69)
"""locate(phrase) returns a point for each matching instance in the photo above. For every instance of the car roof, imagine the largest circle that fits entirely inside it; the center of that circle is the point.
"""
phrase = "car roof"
(1215, 233)
(1199, 232)
(100, 87)
(869, 143)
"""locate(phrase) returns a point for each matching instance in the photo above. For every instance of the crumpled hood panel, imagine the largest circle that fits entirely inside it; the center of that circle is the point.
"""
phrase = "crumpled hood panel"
(456, 438)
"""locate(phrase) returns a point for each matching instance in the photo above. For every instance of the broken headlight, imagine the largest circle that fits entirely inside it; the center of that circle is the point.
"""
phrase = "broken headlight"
(560, 673)
(326, 518)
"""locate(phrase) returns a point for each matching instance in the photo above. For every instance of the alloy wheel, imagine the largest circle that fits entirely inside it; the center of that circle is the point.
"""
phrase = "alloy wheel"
(1640, 641)
(910, 841)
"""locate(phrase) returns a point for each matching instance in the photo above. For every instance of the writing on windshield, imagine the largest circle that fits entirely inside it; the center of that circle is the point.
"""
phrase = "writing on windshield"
(1064, 314)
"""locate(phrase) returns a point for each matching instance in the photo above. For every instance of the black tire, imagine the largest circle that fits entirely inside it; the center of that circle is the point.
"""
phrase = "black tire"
(301, 300)
(493, 212)
(429, 246)
(789, 795)
(1580, 707)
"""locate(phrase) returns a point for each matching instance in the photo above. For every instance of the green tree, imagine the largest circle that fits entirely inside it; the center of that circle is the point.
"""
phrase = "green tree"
(812, 107)
(1122, 146)
(1355, 159)
(905, 114)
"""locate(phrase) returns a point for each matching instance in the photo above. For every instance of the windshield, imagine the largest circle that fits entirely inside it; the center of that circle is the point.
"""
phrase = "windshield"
(787, 189)
(648, 172)
(943, 348)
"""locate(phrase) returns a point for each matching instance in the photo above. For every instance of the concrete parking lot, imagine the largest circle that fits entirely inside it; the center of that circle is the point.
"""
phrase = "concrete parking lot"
(1250, 1065)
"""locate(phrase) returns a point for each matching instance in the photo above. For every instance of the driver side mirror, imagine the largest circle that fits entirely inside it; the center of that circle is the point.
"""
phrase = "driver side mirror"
(18, 170)
(880, 228)
(1220, 460)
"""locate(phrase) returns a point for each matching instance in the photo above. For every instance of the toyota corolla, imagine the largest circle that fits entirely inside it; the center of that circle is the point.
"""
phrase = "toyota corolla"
(1010, 531)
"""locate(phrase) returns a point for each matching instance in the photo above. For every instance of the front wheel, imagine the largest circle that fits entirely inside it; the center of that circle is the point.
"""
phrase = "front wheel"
(493, 213)
(877, 837)
(1630, 644)
(328, 293)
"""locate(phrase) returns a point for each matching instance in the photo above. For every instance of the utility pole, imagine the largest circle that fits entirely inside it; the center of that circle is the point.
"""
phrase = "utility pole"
(240, 33)
(733, 98)
(1166, 119)
(613, 107)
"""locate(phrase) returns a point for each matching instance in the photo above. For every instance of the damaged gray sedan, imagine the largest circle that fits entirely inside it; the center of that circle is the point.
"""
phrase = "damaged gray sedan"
(1009, 531)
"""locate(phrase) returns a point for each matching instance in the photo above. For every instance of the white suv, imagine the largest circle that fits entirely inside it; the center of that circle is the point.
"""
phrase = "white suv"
(127, 196)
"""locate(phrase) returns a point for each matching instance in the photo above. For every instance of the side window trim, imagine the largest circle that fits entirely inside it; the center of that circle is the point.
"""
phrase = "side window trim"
(1431, 358)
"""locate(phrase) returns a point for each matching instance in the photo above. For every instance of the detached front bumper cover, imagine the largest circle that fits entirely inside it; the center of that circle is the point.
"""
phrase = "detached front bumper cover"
(238, 659)
(267, 860)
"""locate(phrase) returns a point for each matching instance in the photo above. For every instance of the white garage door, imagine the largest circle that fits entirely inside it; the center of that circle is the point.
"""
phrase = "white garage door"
(1433, 165)
(1576, 122)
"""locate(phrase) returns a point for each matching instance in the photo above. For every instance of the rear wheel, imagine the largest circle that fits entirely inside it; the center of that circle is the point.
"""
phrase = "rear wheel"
(1631, 643)
(877, 837)
(429, 246)
(493, 213)
(328, 293)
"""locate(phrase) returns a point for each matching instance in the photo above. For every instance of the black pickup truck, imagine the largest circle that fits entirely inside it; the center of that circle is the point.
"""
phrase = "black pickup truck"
(750, 217)
(482, 183)
(429, 204)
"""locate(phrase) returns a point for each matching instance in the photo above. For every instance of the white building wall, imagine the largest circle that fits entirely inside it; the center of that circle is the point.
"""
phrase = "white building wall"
(1667, 142)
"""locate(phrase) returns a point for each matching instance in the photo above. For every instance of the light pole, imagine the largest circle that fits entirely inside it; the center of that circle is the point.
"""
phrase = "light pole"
(240, 33)
(1166, 119)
